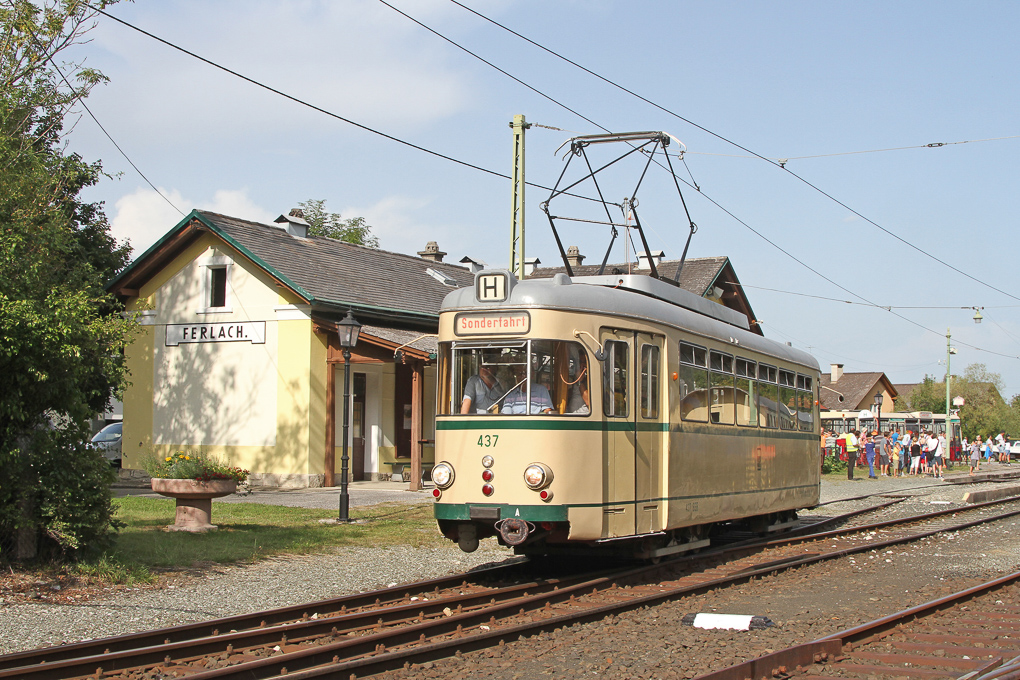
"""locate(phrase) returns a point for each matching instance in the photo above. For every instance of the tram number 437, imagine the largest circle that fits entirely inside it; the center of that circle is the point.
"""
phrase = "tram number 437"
(487, 440)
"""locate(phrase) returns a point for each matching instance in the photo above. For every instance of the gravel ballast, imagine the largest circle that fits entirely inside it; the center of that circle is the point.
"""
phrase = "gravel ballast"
(805, 604)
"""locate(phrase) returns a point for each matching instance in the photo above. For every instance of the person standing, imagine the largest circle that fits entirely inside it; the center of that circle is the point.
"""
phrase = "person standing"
(915, 455)
(975, 455)
(897, 449)
(869, 452)
(905, 458)
(935, 448)
(882, 451)
(851, 452)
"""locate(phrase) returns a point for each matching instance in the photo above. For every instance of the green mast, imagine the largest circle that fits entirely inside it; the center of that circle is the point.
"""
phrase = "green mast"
(517, 207)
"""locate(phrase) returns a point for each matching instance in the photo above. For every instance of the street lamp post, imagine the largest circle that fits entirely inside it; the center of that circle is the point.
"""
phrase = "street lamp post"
(349, 330)
(950, 350)
(878, 411)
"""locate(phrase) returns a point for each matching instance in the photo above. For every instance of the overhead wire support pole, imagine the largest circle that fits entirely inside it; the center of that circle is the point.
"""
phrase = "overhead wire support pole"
(517, 199)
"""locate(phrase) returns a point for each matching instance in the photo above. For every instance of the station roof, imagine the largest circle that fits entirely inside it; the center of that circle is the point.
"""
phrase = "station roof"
(332, 276)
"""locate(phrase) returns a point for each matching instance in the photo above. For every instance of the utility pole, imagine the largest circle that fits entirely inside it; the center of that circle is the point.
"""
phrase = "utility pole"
(517, 201)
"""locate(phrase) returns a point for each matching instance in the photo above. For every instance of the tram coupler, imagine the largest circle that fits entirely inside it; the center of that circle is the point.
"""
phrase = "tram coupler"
(513, 530)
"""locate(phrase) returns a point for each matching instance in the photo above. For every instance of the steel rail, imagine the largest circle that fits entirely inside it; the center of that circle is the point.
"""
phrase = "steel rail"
(375, 651)
(799, 659)
(108, 659)
(288, 615)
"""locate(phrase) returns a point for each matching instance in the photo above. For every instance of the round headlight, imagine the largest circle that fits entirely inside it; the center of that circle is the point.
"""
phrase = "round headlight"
(537, 476)
(442, 475)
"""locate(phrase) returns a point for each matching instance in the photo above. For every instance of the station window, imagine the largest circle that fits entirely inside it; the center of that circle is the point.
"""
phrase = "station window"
(217, 286)
(693, 383)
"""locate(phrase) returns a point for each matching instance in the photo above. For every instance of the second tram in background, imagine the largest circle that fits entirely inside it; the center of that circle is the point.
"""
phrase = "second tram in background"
(615, 414)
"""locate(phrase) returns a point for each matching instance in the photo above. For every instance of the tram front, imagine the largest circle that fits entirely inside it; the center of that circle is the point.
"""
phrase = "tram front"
(514, 416)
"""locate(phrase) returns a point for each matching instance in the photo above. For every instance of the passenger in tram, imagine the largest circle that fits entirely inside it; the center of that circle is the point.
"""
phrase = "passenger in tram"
(516, 400)
(483, 391)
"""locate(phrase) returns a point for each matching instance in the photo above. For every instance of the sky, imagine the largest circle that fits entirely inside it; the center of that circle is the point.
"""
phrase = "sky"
(891, 218)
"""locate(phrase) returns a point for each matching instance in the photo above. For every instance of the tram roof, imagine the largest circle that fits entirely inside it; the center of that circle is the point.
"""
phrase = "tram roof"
(635, 296)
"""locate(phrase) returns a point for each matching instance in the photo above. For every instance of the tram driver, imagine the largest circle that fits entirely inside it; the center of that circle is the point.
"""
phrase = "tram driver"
(483, 391)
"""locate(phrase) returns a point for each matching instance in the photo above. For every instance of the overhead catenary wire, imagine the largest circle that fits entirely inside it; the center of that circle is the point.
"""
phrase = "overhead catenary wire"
(739, 146)
(709, 198)
(314, 107)
(501, 175)
(81, 100)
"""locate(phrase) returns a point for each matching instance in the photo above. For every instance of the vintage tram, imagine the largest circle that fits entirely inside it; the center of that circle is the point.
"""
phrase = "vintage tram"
(615, 414)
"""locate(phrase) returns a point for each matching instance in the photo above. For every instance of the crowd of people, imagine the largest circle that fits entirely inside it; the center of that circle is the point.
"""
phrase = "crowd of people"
(923, 453)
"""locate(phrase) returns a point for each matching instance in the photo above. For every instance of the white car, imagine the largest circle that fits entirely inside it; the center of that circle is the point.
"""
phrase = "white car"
(107, 440)
(1014, 450)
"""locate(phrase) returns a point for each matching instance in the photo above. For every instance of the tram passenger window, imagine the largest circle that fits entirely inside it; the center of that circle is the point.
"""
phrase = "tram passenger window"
(745, 403)
(768, 397)
(561, 368)
(693, 383)
(806, 413)
(787, 407)
(649, 381)
(723, 400)
(614, 379)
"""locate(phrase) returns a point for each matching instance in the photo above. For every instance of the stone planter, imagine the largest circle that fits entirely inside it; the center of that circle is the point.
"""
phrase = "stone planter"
(194, 500)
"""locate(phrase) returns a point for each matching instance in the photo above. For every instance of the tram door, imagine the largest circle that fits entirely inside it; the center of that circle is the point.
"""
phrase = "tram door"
(649, 434)
(632, 439)
(618, 440)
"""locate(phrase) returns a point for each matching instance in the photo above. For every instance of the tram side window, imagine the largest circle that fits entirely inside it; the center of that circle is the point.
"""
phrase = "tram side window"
(744, 392)
(649, 381)
(614, 379)
(722, 404)
(768, 396)
(693, 383)
(787, 401)
(806, 412)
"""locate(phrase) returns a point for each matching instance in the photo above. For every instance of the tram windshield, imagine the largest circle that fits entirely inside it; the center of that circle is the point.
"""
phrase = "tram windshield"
(531, 377)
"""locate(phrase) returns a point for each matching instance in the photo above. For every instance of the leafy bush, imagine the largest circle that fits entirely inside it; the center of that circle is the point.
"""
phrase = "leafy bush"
(55, 497)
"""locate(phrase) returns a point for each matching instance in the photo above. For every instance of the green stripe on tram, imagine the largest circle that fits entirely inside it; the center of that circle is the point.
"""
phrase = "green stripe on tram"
(616, 425)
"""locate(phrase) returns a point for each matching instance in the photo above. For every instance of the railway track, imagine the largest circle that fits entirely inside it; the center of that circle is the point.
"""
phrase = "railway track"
(382, 630)
(973, 634)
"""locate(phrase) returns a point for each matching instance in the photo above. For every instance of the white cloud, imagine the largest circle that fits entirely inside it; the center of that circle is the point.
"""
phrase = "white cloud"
(361, 61)
(143, 217)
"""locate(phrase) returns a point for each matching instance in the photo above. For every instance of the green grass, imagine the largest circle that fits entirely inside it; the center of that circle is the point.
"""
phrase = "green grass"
(251, 531)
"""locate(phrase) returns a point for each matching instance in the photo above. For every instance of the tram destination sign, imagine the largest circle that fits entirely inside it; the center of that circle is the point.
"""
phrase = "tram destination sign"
(243, 331)
(492, 323)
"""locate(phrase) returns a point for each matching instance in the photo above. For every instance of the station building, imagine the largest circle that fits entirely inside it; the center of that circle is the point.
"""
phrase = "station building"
(238, 351)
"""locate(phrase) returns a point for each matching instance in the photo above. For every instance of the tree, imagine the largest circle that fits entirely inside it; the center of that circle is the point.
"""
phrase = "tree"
(61, 335)
(332, 225)
(928, 396)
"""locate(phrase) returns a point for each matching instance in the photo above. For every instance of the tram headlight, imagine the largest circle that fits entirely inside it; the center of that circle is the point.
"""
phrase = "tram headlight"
(538, 476)
(442, 475)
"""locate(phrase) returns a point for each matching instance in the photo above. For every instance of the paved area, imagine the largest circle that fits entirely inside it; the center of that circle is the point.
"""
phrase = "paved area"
(371, 493)
(361, 493)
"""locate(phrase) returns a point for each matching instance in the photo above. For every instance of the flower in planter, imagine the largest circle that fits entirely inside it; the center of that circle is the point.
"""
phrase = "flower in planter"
(197, 466)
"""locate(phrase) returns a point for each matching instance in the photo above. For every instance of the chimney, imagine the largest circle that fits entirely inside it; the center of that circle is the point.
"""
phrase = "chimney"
(835, 372)
(432, 252)
(574, 256)
(474, 265)
(530, 265)
(656, 257)
(294, 223)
